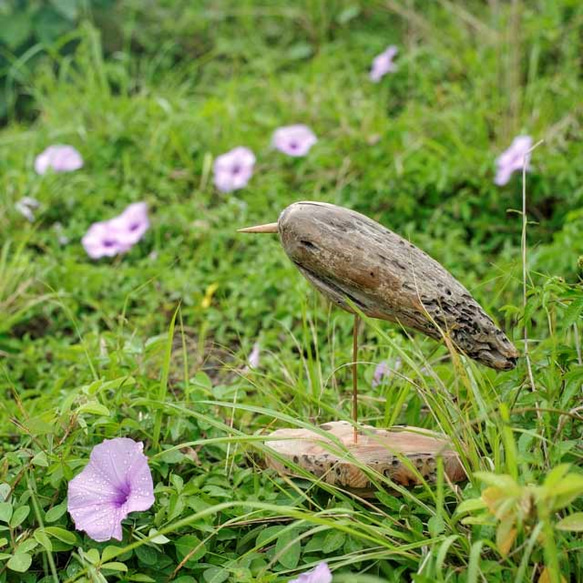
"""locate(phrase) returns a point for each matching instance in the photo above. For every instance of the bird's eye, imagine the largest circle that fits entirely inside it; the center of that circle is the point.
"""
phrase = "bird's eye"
(309, 245)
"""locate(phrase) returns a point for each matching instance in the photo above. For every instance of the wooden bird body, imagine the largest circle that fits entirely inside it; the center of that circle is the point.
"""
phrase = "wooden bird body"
(352, 259)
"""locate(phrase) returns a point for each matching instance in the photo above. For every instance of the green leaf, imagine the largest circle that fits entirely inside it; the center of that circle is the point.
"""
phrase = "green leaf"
(569, 488)
(5, 511)
(68, 8)
(177, 481)
(56, 512)
(470, 506)
(503, 481)
(573, 312)
(27, 546)
(94, 408)
(116, 384)
(215, 575)
(266, 534)
(435, 525)
(61, 534)
(20, 562)
(333, 541)
(15, 29)
(114, 566)
(40, 459)
(348, 14)
(573, 523)
(19, 516)
(288, 549)
(109, 551)
(299, 51)
(40, 426)
(147, 555)
(92, 555)
(185, 545)
(443, 550)
(474, 563)
(159, 539)
(49, 25)
(315, 544)
(4, 491)
(479, 520)
(43, 540)
(556, 475)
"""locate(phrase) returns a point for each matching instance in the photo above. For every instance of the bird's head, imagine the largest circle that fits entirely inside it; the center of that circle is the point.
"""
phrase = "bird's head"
(304, 229)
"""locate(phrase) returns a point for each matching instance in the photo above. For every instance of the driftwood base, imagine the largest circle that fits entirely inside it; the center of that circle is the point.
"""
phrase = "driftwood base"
(400, 454)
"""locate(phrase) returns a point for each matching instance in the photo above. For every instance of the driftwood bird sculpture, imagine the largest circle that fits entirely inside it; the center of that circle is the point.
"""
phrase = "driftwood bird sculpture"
(355, 261)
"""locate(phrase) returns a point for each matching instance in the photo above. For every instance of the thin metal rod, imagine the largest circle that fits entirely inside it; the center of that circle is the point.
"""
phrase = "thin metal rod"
(355, 376)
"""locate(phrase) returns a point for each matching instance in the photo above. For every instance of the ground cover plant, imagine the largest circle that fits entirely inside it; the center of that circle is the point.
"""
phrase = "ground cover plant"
(192, 340)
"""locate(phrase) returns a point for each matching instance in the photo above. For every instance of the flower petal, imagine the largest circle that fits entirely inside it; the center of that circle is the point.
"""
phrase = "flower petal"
(321, 574)
(115, 482)
(60, 158)
(295, 140)
(233, 170)
(101, 241)
(383, 64)
(115, 457)
(131, 225)
(101, 522)
(512, 159)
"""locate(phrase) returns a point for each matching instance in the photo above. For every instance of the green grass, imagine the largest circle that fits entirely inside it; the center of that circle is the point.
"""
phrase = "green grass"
(153, 345)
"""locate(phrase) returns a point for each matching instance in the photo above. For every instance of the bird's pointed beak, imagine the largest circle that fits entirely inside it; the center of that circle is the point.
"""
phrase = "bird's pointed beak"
(269, 228)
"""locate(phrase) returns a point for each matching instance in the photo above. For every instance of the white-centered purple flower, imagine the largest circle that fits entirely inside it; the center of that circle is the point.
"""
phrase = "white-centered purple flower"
(58, 158)
(512, 159)
(383, 64)
(118, 235)
(115, 482)
(253, 359)
(321, 574)
(295, 140)
(27, 206)
(234, 169)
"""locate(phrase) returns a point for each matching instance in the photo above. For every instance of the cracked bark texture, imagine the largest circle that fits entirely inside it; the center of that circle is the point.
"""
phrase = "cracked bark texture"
(405, 455)
(351, 258)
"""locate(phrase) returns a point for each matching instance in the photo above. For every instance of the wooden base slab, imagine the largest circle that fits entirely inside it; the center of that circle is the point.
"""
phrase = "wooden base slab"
(386, 452)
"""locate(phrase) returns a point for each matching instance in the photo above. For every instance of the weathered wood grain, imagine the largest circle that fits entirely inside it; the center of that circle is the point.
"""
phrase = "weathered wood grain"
(348, 256)
(392, 454)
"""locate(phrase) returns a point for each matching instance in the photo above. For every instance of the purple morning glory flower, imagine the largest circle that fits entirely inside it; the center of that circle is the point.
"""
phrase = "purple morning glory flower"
(101, 241)
(131, 224)
(321, 574)
(512, 159)
(234, 169)
(383, 370)
(59, 159)
(115, 482)
(383, 64)
(118, 235)
(379, 373)
(295, 140)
